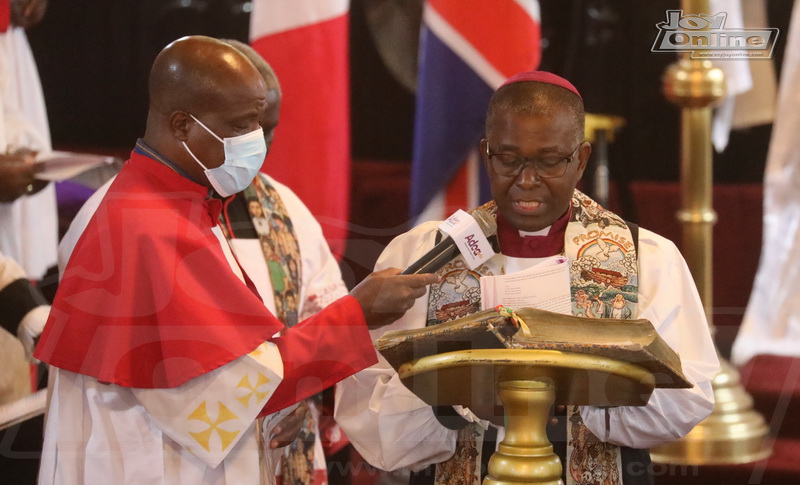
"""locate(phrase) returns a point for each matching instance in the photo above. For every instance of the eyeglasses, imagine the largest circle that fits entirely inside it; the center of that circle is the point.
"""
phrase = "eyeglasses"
(510, 165)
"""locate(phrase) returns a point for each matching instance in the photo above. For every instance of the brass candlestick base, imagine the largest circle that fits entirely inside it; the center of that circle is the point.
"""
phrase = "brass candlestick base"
(525, 455)
(733, 433)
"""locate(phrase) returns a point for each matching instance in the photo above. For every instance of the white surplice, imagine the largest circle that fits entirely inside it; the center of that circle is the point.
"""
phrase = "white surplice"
(392, 428)
(97, 432)
(29, 224)
(771, 323)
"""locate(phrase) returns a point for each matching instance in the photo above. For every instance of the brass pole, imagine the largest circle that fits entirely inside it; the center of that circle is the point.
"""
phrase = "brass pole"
(697, 214)
(734, 432)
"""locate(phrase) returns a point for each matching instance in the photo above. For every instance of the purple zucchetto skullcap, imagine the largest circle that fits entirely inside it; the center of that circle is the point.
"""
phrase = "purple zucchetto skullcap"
(542, 77)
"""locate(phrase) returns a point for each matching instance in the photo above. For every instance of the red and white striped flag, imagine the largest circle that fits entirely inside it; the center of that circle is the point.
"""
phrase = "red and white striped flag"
(306, 42)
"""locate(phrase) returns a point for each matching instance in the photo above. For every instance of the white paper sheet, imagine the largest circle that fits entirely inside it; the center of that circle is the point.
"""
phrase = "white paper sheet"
(65, 165)
(544, 286)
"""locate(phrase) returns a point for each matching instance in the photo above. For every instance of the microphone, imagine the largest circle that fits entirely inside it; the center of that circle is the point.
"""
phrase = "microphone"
(447, 250)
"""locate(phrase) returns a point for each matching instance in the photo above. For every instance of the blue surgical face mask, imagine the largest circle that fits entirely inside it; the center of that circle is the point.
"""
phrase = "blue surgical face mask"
(244, 156)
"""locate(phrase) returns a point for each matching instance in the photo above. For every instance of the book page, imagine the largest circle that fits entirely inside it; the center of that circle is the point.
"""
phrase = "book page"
(57, 166)
(544, 286)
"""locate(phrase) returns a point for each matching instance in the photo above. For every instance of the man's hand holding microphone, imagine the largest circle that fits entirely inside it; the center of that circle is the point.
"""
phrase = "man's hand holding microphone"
(386, 295)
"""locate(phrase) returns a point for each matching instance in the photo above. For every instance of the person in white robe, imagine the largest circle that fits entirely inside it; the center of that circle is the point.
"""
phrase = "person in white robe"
(99, 432)
(392, 428)
(321, 277)
(771, 322)
(29, 222)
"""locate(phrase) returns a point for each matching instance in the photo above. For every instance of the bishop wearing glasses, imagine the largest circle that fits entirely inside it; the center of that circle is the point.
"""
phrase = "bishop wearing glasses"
(535, 154)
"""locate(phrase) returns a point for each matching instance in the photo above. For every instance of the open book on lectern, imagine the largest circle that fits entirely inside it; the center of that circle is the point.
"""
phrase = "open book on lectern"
(631, 341)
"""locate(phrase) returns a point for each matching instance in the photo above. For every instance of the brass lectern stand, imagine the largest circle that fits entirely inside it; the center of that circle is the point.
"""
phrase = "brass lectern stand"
(527, 383)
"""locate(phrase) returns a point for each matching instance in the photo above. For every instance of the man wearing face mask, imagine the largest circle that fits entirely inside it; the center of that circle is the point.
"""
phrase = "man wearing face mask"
(282, 249)
(281, 246)
(162, 352)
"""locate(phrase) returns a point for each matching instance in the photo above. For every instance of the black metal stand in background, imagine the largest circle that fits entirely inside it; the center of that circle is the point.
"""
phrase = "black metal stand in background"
(599, 131)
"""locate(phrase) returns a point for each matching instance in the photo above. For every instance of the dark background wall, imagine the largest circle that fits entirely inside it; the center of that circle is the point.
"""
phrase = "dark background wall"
(94, 57)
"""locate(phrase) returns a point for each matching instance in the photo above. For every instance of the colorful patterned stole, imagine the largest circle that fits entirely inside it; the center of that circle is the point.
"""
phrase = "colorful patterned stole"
(279, 243)
(603, 284)
(281, 250)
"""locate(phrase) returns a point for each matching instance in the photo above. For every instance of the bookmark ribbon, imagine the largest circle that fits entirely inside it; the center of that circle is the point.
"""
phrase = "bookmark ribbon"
(515, 319)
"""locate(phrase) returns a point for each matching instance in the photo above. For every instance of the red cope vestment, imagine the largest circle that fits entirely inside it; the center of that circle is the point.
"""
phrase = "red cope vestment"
(5, 15)
(149, 300)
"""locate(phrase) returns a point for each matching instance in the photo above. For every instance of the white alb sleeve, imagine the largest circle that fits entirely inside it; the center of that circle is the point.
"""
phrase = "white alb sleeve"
(209, 414)
(387, 424)
(669, 300)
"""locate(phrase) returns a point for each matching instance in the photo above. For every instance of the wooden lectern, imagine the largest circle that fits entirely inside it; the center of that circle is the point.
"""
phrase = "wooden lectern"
(483, 359)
